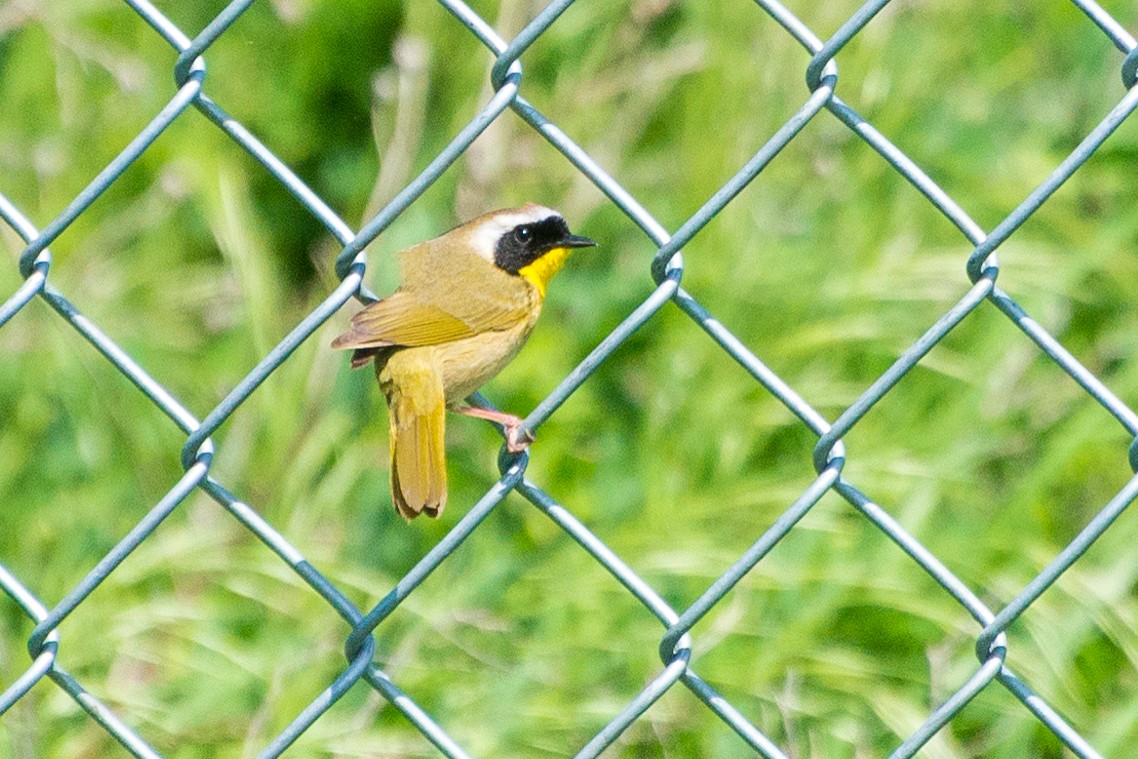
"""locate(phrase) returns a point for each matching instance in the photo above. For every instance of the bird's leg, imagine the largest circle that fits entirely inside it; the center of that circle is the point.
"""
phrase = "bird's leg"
(517, 440)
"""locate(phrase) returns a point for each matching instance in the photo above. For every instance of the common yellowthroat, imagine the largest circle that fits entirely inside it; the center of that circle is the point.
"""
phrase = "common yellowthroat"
(466, 303)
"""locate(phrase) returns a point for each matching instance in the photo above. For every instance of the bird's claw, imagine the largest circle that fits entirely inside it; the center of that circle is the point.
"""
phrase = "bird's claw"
(518, 438)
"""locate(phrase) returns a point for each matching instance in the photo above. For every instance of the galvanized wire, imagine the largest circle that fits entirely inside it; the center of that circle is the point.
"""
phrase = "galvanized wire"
(667, 269)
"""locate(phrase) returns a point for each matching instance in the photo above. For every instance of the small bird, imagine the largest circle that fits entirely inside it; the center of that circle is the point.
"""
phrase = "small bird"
(466, 303)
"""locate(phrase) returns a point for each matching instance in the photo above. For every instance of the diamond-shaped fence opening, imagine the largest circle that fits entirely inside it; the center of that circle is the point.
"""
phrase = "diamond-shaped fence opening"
(796, 455)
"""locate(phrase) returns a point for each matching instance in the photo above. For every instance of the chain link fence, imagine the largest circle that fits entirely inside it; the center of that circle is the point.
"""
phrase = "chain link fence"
(667, 269)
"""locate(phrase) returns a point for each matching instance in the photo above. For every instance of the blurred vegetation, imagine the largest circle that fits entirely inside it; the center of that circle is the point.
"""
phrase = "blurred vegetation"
(828, 266)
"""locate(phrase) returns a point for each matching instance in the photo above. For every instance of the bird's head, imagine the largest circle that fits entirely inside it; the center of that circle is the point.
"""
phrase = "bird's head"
(531, 242)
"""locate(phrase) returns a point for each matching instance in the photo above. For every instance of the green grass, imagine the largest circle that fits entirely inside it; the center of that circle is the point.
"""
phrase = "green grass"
(828, 267)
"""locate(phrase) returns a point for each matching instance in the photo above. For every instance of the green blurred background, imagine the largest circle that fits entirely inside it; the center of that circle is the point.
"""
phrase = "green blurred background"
(828, 266)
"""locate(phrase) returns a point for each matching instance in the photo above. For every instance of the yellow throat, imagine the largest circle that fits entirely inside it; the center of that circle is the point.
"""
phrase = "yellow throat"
(542, 270)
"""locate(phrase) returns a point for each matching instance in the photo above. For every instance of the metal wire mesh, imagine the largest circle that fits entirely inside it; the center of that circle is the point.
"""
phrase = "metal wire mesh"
(667, 269)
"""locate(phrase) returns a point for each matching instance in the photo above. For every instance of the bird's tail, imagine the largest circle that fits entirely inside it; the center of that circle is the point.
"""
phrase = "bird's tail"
(417, 411)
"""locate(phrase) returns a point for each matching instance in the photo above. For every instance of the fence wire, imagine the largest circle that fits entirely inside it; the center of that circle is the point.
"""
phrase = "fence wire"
(667, 269)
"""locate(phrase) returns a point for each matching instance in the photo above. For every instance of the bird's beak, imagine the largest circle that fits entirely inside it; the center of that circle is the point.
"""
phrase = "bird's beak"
(575, 241)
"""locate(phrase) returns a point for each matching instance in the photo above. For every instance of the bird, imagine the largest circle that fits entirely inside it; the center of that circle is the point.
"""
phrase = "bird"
(466, 303)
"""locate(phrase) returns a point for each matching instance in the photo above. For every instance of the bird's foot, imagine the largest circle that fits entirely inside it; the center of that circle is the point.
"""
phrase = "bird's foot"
(518, 438)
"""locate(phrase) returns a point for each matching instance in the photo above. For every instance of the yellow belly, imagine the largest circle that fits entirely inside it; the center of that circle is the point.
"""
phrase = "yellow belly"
(468, 364)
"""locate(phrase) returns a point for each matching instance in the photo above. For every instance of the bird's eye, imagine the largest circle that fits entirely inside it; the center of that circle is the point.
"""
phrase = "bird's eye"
(523, 234)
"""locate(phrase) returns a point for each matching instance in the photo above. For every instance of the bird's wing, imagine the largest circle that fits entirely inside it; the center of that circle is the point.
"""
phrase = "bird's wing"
(402, 320)
(473, 290)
